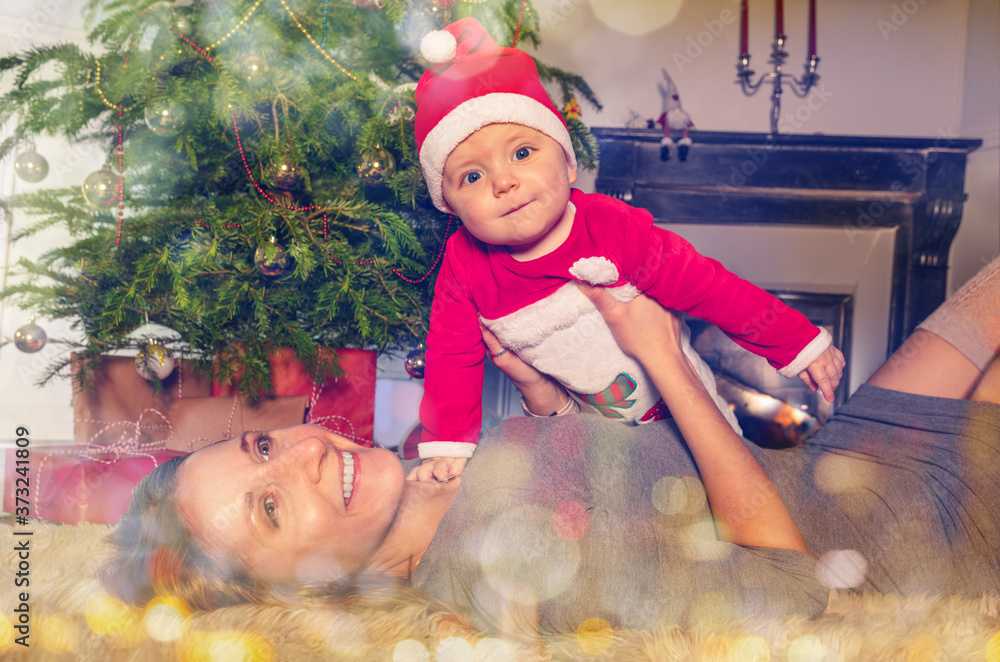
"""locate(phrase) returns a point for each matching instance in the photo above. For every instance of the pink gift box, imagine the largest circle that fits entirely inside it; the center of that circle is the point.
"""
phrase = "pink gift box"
(64, 484)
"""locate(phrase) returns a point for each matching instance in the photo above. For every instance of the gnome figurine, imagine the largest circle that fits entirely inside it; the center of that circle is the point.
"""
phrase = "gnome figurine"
(673, 119)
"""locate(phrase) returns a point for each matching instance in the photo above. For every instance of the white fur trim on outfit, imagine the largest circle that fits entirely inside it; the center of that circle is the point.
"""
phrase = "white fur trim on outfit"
(474, 114)
(428, 449)
(808, 354)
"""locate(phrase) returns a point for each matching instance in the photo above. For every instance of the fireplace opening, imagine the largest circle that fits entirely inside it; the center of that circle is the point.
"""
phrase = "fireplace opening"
(773, 411)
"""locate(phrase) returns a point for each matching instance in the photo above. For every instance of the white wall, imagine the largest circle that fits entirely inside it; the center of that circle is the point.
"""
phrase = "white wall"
(888, 67)
(937, 74)
(45, 411)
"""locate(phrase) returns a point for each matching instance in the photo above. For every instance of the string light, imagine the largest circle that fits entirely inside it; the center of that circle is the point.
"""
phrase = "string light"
(100, 92)
(239, 25)
(313, 42)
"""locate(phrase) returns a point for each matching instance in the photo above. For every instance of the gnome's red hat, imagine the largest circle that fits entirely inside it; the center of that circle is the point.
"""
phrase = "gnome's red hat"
(473, 82)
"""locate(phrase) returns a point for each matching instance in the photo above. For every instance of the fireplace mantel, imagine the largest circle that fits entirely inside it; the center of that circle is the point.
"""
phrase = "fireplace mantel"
(915, 185)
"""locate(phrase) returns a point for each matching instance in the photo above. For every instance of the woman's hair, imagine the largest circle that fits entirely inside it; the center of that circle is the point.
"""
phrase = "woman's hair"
(155, 555)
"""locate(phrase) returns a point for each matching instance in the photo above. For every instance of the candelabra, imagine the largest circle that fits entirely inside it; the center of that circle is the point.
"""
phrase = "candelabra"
(800, 87)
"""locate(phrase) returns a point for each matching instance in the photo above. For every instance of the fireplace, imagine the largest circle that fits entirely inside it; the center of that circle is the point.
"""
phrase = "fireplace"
(852, 231)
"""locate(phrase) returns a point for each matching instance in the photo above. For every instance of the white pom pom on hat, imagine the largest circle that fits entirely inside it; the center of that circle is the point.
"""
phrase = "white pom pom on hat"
(439, 46)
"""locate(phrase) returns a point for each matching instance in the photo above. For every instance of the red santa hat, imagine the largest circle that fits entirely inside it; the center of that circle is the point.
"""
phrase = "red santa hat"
(473, 82)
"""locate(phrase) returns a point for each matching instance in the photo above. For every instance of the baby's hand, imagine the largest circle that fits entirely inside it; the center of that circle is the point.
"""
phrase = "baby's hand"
(824, 373)
(438, 469)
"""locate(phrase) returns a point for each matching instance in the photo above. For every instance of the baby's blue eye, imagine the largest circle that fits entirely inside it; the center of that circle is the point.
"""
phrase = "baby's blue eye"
(472, 177)
(522, 153)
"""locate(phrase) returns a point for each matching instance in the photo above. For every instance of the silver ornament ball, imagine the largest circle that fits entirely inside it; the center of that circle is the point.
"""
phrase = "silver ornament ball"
(30, 338)
(165, 117)
(31, 166)
(100, 188)
(415, 363)
(154, 359)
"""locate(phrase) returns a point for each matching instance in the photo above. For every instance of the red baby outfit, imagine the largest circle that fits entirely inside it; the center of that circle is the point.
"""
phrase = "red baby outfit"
(534, 309)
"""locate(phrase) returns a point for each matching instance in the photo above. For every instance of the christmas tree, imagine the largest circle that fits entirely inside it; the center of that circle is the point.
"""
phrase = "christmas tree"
(262, 188)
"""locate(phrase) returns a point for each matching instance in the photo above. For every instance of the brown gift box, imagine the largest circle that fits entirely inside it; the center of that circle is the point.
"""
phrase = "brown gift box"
(118, 405)
(197, 422)
(117, 400)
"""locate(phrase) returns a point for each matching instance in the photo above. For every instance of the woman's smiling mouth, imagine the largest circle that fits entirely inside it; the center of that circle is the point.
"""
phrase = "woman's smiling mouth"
(348, 477)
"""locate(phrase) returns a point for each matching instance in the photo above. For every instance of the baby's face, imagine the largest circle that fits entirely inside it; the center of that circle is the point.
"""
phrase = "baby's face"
(510, 185)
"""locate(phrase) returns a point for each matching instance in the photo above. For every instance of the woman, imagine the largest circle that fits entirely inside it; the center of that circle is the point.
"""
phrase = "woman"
(563, 519)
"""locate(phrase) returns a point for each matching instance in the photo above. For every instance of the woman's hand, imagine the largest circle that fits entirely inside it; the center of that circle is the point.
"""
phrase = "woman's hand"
(542, 394)
(643, 328)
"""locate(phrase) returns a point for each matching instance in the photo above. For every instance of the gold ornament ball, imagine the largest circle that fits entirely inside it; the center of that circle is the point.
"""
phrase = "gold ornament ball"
(377, 166)
(31, 166)
(100, 188)
(255, 70)
(183, 25)
(415, 363)
(271, 260)
(285, 175)
(154, 359)
(30, 338)
(165, 117)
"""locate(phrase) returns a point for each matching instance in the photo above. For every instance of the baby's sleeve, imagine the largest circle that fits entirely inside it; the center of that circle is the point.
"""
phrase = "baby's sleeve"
(451, 409)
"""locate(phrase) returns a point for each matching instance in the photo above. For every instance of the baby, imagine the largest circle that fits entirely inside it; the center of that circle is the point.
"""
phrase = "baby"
(496, 152)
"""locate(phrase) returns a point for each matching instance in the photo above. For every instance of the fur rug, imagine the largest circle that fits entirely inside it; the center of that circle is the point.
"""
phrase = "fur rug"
(70, 617)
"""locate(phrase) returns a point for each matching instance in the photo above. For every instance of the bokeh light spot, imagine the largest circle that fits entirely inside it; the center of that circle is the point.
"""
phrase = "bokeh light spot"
(750, 649)
(702, 542)
(636, 17)
(806, 648)
(454, 649)
(229, 646)
(842, 474)
(410, 650)
(109, 616)
(678, 496)
(495, 650)
(842, 568)
(570, 520)
(56, 632)
(6, 632)
(165, 619)
(993, 648)
(595, 636)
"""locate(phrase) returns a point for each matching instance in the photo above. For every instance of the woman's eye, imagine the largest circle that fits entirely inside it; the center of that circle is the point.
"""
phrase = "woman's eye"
(523, 153)
(271, 510)
(264, 446)
(472, 177)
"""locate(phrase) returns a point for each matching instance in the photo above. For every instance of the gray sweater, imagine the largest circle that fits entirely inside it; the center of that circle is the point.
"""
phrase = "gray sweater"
(582, 517)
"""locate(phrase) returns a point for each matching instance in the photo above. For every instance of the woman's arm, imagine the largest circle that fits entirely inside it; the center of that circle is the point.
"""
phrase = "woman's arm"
(748, 509)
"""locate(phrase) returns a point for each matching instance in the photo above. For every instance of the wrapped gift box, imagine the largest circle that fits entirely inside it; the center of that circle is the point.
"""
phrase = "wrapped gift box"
(344, 404)
(197, 422)
(66, 484)
(117, 400)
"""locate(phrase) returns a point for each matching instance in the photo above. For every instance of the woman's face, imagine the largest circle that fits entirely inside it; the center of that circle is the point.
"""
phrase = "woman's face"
(297, 504)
